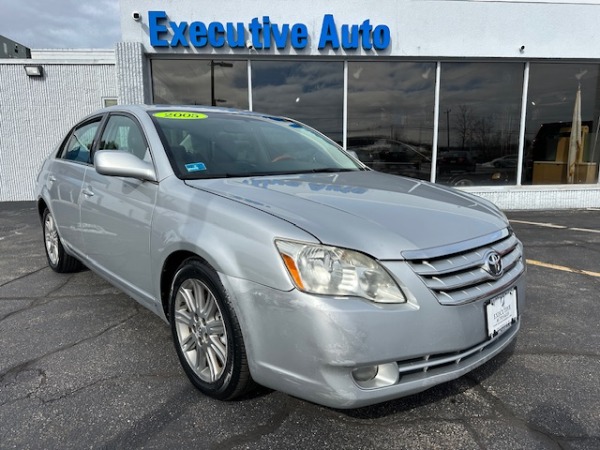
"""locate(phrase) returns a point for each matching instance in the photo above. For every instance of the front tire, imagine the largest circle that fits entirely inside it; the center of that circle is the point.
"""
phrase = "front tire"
(58, 259)
(207, 333)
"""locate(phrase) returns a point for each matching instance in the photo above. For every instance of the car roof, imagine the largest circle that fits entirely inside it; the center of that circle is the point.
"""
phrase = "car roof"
(138, 108)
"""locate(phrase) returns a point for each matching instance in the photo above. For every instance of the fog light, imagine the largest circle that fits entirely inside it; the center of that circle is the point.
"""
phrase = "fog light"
(374, 377)
(365, 373)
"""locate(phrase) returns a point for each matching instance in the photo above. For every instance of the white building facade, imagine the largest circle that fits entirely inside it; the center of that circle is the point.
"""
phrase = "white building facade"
(37, 111)
(500, 98)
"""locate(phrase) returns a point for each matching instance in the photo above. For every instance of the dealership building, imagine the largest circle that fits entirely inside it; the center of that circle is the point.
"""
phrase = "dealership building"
(499, 98)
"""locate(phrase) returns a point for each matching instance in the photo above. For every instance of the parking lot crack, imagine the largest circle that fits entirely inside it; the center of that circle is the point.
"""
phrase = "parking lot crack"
(473, 433)
(12, 371)
(47, 401)
(58, 288)
(31, 380)
(152, 424)
(271, 426)
(550, 441)
(25, 275)
(31, 304)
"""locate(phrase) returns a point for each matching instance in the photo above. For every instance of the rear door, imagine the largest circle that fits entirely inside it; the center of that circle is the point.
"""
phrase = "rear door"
(65, 181)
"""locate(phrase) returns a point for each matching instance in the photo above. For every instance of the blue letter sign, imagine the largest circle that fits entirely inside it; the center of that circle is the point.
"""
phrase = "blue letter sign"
(265, 34)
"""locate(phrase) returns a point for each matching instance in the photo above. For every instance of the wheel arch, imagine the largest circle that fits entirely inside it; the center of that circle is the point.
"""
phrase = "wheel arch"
(169, 268)
(41, 207)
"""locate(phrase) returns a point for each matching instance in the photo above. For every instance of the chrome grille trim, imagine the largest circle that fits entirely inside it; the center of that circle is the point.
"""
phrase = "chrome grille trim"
(456, 248)
(429, 363)
(460, 278)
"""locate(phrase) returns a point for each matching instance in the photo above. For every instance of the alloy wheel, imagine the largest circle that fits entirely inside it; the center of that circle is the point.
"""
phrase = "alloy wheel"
(201, 331)
(51, 239)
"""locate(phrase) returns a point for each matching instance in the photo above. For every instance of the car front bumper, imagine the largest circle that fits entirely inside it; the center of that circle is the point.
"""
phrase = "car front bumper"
(309, 346)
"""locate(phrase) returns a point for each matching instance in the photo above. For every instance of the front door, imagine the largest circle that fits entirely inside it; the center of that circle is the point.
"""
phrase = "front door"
(116, 213)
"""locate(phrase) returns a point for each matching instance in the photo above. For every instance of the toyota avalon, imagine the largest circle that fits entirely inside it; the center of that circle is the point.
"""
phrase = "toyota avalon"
(278, 258)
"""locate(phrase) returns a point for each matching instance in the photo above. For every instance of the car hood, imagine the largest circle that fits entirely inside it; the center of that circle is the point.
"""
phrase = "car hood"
(378, 214)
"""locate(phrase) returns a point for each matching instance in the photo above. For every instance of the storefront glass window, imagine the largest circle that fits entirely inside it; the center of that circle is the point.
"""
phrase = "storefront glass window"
(200, 82)
(550, 135)
(390, 116)
(308, 91)
(480, 110)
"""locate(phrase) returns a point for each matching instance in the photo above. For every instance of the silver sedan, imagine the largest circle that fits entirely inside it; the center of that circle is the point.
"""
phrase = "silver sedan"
(278, 258)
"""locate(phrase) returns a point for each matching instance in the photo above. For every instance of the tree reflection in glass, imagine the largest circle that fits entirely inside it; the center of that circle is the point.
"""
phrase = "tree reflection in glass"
(482, 107)
(390, 115)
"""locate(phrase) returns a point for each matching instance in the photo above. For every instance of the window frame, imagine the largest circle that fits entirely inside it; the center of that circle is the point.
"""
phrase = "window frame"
(131, 117)
(135, 120)
(61, 154)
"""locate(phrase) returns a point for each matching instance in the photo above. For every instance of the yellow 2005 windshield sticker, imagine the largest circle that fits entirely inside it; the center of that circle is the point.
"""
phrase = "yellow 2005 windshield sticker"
(182, 115)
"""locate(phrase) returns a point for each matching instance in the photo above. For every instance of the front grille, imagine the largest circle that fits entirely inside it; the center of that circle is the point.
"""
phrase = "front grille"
(460, 277)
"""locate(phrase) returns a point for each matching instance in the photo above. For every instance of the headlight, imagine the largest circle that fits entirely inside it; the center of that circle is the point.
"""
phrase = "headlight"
(319, 269)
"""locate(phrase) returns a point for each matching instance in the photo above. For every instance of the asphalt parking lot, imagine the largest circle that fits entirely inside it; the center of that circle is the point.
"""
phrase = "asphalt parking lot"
(84, 366)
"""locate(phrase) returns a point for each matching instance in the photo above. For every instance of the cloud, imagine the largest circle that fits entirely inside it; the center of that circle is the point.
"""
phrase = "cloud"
(60, 24)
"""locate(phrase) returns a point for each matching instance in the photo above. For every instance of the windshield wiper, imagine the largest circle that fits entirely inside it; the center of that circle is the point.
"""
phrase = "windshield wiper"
(200, 176)
(328, 170)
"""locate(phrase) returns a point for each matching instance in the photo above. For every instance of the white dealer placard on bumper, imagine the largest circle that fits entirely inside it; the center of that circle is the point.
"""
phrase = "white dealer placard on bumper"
(501, 311)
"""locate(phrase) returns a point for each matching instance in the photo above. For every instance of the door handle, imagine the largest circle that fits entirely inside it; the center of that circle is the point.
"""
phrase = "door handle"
(88, 193)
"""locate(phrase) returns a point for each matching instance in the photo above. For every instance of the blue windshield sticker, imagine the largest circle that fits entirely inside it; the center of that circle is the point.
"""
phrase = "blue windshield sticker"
(195, 167)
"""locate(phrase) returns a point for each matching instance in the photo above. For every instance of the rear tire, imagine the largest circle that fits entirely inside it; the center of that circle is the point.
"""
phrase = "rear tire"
(58, 259)
(206, 332)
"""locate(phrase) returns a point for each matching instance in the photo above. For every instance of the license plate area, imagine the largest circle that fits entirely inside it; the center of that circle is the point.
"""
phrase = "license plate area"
(501, 312)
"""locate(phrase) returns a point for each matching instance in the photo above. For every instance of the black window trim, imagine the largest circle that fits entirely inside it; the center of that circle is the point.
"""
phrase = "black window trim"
(104, 124)
(60, 154)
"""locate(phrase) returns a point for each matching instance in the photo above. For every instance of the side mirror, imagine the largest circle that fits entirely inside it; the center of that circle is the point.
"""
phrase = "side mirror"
(122, 164)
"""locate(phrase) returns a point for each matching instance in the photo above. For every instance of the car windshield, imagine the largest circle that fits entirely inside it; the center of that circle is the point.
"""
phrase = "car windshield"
(219, 144)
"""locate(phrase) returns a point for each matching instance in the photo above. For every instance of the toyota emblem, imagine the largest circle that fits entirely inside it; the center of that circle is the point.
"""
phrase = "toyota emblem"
(493, 264)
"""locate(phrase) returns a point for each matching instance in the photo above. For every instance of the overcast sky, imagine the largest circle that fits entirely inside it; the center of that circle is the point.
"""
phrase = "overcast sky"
(61, 23)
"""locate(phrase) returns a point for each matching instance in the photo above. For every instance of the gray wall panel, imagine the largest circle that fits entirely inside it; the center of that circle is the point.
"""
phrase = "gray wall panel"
(35, 113)
(132, 73)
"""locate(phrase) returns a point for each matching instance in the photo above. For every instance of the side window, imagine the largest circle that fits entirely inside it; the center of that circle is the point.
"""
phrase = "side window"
(124, 134)
(79, 144)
